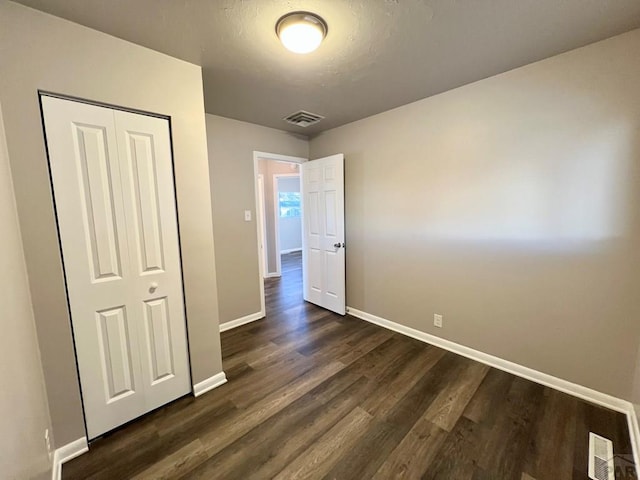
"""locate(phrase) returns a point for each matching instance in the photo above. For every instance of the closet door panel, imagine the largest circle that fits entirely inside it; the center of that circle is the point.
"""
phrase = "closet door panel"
(113, 186)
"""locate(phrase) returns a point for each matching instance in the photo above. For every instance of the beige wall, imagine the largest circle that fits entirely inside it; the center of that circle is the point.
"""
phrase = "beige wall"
(512, 207)
(269, 168)
(23, 403)
(38, 51)
(231, 147)
(635, 396)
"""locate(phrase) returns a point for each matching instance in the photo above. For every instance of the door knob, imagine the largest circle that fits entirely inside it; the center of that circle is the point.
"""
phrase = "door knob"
(153, 286)
(338, 245)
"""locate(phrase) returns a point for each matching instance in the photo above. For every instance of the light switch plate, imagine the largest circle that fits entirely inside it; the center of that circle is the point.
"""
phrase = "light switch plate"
(247, 215)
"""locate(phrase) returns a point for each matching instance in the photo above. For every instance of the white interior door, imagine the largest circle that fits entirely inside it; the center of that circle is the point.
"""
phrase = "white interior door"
(113, 186)
(323, 247)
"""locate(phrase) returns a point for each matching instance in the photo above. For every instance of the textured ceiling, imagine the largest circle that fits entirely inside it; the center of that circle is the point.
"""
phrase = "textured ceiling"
(378, 54)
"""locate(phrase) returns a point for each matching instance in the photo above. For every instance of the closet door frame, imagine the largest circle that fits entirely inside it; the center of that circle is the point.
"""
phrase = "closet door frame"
(182, 307)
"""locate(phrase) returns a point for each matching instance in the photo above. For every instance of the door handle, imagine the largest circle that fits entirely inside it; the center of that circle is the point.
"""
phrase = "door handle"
(153, 286)
(338, 245)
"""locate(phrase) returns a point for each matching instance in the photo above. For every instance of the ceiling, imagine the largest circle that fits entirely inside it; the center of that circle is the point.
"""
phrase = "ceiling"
(378, 54)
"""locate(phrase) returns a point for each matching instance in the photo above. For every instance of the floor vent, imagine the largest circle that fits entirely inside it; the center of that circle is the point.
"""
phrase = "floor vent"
(303, 119)
(600, 458)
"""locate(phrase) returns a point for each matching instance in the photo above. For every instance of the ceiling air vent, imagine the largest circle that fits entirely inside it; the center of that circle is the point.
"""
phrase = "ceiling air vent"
(601, 465)
(303, 119)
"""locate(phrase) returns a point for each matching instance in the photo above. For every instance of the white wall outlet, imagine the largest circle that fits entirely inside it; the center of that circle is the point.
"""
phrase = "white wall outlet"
(47, 442)
(247, 215)
(437, 320)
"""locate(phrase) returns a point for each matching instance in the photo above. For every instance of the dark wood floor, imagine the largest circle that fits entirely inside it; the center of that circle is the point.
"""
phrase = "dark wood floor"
(315, 395)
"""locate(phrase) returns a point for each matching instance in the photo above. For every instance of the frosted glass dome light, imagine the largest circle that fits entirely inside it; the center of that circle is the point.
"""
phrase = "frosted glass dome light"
(301, 32)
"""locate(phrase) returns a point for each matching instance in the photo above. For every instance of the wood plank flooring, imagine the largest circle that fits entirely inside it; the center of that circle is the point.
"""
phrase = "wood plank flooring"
(315, 395)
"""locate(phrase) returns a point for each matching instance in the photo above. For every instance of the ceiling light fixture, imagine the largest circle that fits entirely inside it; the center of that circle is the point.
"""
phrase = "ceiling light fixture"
(301, 32)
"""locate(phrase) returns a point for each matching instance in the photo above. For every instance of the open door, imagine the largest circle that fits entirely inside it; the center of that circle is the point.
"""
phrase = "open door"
(323, 247)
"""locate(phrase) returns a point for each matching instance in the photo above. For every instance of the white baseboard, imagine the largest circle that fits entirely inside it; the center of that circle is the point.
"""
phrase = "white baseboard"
(78, 447)
(290, 250)
(584, 393)
(65, 453)
(240, 321)
(209, 384)
(272, 275)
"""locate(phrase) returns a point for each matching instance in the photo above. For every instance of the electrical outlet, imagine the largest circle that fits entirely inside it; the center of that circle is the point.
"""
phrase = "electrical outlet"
(47, 442)
(437, 320)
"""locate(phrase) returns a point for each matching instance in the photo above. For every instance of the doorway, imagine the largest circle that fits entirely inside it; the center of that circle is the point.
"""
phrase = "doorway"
(287, 217)
(320, 203)
(279, 211)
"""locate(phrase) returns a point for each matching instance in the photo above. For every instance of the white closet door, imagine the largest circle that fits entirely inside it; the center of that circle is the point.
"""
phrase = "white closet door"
(156, 279)
(128, 340)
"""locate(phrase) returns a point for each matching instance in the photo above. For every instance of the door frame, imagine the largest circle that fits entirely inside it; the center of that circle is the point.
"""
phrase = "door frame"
(257, 155)
(276, 216)
(261, 217)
